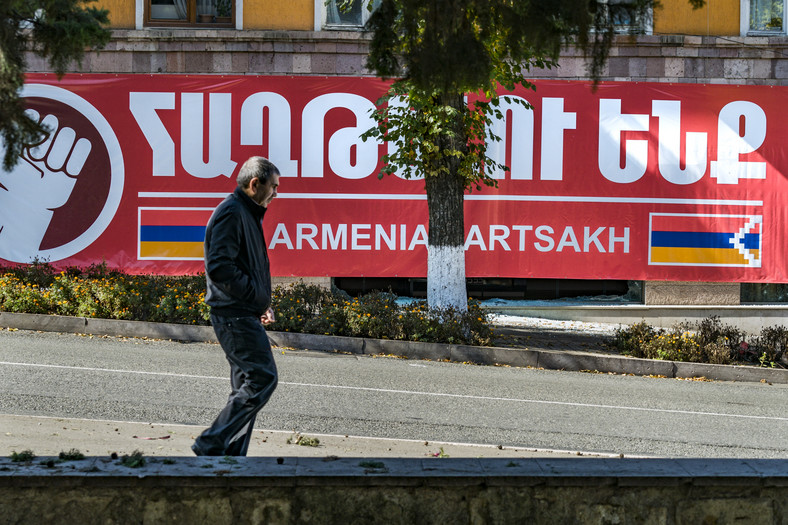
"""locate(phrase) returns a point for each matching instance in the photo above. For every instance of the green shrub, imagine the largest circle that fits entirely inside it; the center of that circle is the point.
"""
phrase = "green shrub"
(98, 292)
(373, 315)
(707, 341)
(631, 339)
(295, 305)
(674, 345)
(22, 457)
(717, 353)
(772, 345)
(711, 331)
(332, 320)
(72, 455)
(311, 309)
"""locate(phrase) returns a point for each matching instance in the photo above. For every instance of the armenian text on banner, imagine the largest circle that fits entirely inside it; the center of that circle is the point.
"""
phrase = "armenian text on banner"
(625, 181)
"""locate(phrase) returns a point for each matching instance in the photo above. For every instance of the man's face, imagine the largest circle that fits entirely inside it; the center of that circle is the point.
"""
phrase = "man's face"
(263, 193)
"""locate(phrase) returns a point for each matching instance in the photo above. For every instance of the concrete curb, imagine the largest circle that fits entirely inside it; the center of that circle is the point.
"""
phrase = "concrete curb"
(261, 471)
(394, 491)
(531, 357)
(88, 325)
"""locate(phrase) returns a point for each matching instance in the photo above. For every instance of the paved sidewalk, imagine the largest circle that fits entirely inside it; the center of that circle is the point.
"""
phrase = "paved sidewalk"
(49, 436)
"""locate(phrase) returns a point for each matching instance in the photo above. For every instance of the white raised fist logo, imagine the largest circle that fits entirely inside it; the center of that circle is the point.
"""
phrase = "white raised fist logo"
(41, 182)
(64, 192)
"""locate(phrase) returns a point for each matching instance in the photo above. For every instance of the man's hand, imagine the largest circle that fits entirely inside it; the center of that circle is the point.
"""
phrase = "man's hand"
(268, 317)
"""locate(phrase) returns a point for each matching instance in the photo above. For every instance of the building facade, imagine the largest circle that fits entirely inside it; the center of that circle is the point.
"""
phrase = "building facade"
(727, 42)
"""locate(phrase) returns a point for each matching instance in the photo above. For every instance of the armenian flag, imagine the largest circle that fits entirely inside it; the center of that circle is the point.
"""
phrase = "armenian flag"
(172, 233)
(685, 239)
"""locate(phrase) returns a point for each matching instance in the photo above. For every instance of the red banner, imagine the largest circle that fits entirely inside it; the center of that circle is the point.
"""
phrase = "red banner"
(628, 181)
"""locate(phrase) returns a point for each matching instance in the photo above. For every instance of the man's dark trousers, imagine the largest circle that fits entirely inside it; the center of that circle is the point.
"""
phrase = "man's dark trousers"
(253, 377)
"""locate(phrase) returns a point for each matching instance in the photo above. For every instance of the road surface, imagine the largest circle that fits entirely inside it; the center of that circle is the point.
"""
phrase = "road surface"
(114, 379)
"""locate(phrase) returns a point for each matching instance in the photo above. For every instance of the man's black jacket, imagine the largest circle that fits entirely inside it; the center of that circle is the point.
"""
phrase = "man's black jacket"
(236, 261)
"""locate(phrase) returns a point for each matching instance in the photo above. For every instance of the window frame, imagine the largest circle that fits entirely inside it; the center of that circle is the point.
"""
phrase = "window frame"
(321, 15)
(744, 21)
(143, 18)
(646, 28)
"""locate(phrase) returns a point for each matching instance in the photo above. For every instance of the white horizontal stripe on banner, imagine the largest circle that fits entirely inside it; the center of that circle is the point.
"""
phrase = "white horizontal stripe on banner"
(416, 197)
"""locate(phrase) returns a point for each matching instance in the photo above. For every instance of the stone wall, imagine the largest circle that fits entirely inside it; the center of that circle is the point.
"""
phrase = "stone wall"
(688, 293)
(323, 282)
(648, 58)
(227, 52)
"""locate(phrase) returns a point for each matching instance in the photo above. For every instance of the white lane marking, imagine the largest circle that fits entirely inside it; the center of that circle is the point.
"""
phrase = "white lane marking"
(112, 370)
(540, 402)
(419, 393)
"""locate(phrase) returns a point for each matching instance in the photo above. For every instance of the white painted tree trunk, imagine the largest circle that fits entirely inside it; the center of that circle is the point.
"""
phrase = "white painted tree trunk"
(445, 188)
(446, 277)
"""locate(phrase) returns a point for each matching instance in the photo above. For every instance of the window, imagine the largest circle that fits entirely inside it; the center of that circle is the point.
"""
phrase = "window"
(191, 13)
(626, 16)
(335, 16)
(763, 17)
(764, 293)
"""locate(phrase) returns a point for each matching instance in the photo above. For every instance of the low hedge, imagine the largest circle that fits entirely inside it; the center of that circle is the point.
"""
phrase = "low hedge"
(101, 293)
(311, 309)
(707, 341)
(98, 292)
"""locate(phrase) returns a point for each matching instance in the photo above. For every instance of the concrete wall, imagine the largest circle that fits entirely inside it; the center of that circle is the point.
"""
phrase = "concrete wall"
(749, 318)
(323, 282)
(691, 293)
(216, 51)
(396, 491)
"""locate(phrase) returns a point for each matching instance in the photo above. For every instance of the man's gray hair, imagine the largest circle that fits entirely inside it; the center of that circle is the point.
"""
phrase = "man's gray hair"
(259, 167)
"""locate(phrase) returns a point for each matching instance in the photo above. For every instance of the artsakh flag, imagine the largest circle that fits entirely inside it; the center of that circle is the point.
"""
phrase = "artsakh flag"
(172, 233)
(685, 239)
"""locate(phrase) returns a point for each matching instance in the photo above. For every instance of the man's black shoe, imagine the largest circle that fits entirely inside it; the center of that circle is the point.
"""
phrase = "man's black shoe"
(200, 452)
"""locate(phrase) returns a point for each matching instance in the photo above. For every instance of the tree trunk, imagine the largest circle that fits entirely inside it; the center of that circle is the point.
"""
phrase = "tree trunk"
(446, 242)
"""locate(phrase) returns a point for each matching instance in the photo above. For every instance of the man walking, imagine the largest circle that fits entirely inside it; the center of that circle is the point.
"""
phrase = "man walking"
(239, 294)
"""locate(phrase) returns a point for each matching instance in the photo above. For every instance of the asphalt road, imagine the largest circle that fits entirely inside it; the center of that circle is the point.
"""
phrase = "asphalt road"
(109, 378)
